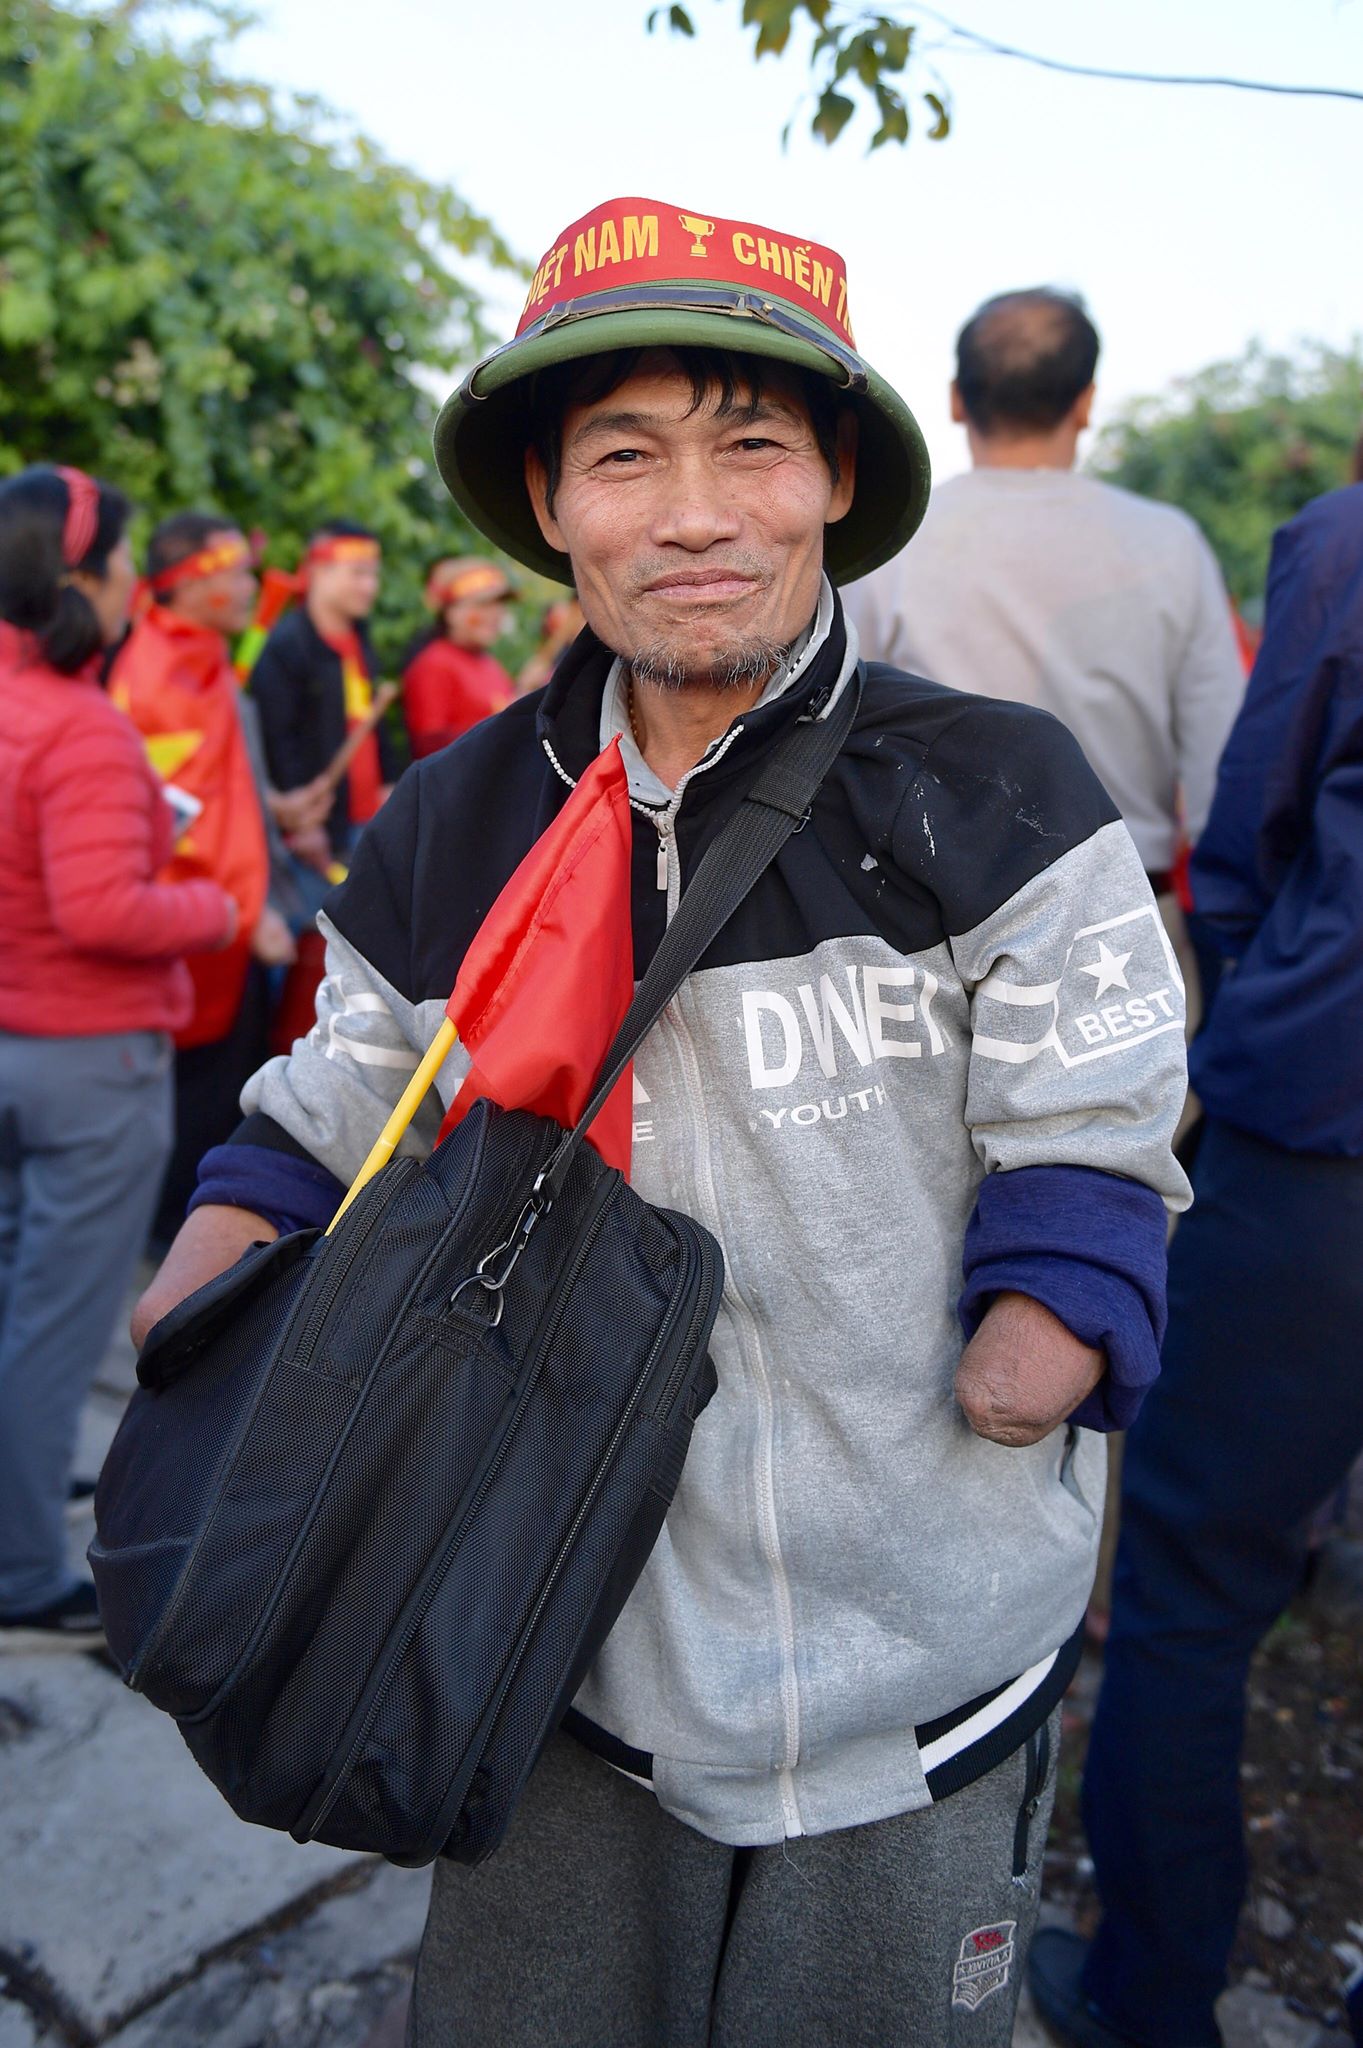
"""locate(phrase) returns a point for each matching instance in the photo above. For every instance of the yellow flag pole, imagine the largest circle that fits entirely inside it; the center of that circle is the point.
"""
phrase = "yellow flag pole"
(413, 1095)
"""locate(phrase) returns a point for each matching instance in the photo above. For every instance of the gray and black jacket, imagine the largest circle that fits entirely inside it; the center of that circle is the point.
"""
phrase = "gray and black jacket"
(937, 1053)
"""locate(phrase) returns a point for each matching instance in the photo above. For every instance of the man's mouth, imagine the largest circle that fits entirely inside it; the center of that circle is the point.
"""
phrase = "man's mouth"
(701, 586)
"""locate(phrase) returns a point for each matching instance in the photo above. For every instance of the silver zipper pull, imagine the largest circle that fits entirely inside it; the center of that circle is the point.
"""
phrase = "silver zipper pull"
(662, 862)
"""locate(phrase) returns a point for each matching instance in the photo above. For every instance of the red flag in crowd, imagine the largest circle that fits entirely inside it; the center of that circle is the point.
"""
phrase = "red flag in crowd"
(550, 975)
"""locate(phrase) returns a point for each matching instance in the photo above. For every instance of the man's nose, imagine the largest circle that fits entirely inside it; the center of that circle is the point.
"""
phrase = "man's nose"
(694, 507)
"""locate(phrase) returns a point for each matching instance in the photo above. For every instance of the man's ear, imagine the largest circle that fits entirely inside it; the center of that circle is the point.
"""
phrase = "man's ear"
(957, 405)
(840, 502)
(537, 484)
(1083, 407)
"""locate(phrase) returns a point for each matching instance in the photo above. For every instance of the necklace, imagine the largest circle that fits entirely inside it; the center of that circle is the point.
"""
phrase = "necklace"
(633, 721)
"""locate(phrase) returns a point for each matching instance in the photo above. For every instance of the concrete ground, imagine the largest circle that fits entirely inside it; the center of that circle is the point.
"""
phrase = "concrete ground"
(137, 1912)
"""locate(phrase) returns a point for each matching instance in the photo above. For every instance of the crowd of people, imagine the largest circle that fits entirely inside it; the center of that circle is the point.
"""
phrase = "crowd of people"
(173, 816)
(172, 835)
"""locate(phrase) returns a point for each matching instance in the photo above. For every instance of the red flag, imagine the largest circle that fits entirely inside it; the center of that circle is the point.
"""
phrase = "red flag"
(175, 682)
(550, 975)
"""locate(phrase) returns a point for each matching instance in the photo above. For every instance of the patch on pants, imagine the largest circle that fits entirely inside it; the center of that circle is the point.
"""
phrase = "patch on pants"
(985, 1964)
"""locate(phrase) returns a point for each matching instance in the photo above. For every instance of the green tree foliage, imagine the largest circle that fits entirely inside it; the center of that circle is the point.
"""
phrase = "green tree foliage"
(854, 52)
(214, 298)
(1242, 446)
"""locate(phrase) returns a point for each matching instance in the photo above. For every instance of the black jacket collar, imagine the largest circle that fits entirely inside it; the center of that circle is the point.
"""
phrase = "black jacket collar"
(569, 715)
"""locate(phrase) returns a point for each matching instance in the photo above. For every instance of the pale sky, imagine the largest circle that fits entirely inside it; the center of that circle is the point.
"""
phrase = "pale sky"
(1192, 221)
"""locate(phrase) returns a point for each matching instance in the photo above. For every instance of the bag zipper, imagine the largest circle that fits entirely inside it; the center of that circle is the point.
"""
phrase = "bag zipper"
(363, 1217)
(663, 1411)
(604, 1195)
(523, 1646)
(361, 1394)
(364, 1213)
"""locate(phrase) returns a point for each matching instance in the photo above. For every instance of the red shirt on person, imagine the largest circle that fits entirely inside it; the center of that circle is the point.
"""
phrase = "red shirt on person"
(447, 689)
(93, 943)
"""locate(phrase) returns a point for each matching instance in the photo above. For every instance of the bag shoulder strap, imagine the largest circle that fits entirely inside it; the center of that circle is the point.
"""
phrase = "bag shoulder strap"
(776, 805)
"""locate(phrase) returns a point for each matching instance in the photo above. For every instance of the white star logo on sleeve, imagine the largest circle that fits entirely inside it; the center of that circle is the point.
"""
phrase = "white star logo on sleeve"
(1008, 1017)
(1108, 971)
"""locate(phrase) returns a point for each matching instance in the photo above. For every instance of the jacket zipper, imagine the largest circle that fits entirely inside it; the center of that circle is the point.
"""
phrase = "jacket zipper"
(605, 1193)
(764, 1475)
(661, 1411)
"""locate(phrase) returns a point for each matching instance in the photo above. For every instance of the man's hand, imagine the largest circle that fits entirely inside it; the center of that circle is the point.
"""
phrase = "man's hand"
(312, 847)
(209, 1241)
(1023, 1372)
(299, 810)
(272, 941)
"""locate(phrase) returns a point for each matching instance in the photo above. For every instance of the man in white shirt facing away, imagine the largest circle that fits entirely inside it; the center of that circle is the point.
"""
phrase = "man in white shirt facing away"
(1032, 582)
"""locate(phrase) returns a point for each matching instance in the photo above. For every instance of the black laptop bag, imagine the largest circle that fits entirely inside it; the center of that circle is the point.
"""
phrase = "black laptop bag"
(382, 1493)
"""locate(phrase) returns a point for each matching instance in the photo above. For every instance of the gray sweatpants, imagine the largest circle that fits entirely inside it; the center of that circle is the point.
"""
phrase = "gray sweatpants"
(604, 1923)
(85, 1131)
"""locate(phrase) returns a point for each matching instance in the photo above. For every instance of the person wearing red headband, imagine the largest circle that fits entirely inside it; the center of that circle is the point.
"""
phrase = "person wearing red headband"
(313, 684)
(452, 679)
(174, 678)
(92, 982)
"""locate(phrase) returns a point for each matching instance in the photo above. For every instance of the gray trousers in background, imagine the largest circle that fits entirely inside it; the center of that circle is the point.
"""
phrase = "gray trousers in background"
(604, 1923)
(85, 1131)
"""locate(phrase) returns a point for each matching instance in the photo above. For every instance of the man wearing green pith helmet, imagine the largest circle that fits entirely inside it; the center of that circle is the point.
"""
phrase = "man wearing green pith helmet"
(921, 1088)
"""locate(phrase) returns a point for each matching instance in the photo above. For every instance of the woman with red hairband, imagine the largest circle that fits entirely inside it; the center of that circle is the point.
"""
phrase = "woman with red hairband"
(451, 679)
(92, 983)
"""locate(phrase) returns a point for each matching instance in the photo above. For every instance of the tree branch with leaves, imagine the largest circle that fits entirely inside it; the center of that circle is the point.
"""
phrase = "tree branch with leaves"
(857, 51)
(218, 296)
(854, 54)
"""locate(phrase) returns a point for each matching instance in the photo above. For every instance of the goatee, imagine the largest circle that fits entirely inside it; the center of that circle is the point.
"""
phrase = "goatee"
(737, 668)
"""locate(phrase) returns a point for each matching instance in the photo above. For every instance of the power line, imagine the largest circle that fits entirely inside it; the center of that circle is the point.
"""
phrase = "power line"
(969, 35)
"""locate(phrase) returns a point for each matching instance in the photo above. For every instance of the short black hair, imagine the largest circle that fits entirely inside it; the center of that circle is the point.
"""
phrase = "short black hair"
(1024, 359)
(181, 536)
(738, 378)
(36, 594)
(343, 529)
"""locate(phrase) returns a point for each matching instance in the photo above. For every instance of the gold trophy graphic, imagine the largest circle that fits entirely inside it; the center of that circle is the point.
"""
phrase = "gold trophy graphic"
(701, 229)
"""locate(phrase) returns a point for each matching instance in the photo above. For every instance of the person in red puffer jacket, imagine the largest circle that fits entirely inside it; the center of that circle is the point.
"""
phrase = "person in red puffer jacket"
(92, 983)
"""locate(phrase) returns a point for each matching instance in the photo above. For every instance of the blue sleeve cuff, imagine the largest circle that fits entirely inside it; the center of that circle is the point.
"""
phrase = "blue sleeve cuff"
(291, 1193)
(1091, 1249)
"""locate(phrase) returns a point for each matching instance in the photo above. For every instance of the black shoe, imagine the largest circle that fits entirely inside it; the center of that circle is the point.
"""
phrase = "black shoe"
(71, 1623)
(1053, 1970)
(80, 1499)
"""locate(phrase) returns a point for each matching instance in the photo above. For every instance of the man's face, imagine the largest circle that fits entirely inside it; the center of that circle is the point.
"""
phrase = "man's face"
(225, 601)
(696, 537)
(477, 622)
(348, 587)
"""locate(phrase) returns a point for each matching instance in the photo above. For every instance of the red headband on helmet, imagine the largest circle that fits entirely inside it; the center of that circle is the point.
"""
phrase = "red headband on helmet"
(82, 515)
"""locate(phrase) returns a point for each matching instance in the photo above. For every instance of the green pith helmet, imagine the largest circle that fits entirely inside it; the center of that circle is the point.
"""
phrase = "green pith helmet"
(635, 274)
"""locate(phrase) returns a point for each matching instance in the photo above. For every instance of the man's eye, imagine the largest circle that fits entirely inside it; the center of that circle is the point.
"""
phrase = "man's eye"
(755, 444)
(624, 455)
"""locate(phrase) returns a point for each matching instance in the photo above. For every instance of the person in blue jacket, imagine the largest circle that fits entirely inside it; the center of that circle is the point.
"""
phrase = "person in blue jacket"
(1258, 1414)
